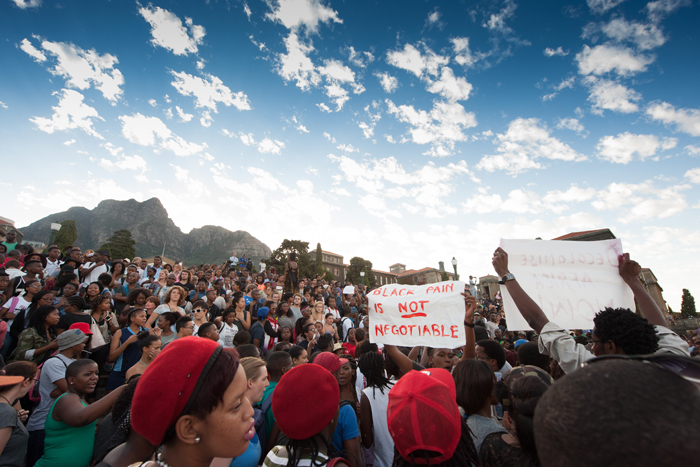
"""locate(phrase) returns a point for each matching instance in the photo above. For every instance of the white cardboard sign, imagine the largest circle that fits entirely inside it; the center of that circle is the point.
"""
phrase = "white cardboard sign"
(410, 315)
(571, 281)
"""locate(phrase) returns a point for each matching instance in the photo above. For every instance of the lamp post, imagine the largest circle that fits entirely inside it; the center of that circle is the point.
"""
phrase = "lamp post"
(454, 265)
(362, 275)
(55, 227)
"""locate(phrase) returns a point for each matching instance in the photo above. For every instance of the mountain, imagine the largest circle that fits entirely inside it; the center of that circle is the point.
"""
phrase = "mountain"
(151, 228)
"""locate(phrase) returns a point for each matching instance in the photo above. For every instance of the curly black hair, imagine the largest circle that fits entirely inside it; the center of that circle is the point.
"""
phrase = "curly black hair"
(629, 331)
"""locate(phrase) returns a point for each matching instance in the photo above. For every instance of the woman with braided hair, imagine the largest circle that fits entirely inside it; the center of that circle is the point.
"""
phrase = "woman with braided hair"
(373, 404)
(519, 391)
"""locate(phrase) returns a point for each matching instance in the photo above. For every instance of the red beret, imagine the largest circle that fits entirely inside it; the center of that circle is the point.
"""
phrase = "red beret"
(170, 384)
(329, 361)
(302, 421)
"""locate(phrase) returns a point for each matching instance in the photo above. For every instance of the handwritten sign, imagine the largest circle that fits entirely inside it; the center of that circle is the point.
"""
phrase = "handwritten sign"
(409, 315)
(571, 281)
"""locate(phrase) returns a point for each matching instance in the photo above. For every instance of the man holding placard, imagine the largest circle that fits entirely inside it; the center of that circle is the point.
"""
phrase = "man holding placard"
(615, 331)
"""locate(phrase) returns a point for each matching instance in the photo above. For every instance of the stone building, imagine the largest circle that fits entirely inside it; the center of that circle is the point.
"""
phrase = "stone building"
(332, 262)
(8, 224)
(421, 276)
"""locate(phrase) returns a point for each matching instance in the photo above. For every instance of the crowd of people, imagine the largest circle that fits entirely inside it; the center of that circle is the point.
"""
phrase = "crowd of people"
(118, 362)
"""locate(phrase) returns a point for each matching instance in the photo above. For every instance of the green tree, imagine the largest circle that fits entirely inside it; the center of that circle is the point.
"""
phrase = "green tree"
(120, 245)
(444, 277)
(357, 265)
(687, 304)
(67, 235)
(328, 276)
(319, 259)
(278, 258)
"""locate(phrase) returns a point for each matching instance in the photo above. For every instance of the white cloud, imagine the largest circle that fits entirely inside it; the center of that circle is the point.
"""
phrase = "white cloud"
(246, 10)
(693, 175)
(571, 124)
(151, 131)
(611, 95)
(324, 107)
(71, 113)
(526, 141)
(572, 195)
(606, 58)
(168, 31)
(153, 102)
(390, 139)
(411, 59)
(646, 36)
(206, 119)
(112, 149)
(601, 6)
(659, 9)
(69, 142)
(450, 87)
(124, 163)
(168, 113)
(620, 149)
(294, 14)
(3, 105)
(692, 150)
(442, 126)
(298, 125)
(361, 59)
(270, 146)
(209, 91)
(641, 201)
(388, 82)
(24, 4)
(184, 116)
(685, 120)
(32, 51)
(340, 191)
(497, 21)
(200, 65)
(463, 56)
(81, 68)
(433, 19)
(295, 65)
(247, 139)
(559, 52)
(348, 148)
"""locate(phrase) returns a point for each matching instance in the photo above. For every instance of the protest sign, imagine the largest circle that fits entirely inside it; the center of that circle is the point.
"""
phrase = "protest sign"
(570, 281)
(410, 315)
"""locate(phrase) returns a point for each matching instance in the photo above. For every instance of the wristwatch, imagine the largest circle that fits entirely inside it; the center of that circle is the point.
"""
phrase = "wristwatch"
(506, 278)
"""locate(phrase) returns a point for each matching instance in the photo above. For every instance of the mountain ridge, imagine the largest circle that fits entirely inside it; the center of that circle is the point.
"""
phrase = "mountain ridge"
(151, 228)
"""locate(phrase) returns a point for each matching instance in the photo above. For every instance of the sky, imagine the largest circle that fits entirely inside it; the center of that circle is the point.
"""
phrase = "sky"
(398, 131)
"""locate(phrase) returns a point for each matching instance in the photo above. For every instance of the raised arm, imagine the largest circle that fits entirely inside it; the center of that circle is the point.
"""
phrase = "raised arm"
(469, 308)
(629, 271)
(71, 411)
(527, 307)
(403, 362)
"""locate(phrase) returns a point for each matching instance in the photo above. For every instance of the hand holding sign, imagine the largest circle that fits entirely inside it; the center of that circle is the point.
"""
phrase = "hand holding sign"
(408, 315)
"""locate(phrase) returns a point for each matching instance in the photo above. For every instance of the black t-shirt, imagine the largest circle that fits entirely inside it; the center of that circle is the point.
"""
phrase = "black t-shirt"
(71, 318)
(188, 286)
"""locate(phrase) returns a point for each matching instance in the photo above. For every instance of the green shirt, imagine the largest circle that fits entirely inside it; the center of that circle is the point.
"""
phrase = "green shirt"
(67, 446)
(269, 417)
(10, 246)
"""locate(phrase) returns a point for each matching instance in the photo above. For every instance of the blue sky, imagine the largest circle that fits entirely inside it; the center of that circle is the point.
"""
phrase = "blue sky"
(398, 131)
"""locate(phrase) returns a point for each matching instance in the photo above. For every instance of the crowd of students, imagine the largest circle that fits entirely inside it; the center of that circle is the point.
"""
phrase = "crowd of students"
(117, 362)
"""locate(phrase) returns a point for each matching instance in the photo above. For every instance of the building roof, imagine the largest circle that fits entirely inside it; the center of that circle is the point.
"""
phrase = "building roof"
(410, 272)
(586, 233)
(384, 272)
(329, 253)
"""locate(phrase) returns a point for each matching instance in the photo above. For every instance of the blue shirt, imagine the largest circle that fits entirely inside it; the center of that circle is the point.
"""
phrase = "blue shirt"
(347, 427)
(251, 456)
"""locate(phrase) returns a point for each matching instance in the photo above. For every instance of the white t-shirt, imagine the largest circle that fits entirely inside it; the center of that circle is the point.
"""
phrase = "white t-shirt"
(226, 334)
(347, 325)
(94, 274)
(491, 328)
(21, 305)
(335, 313)
(52, 267)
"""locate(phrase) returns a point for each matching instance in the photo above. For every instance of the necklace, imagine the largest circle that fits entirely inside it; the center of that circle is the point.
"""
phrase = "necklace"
(8, 402)
(140, 360)
(161, 462)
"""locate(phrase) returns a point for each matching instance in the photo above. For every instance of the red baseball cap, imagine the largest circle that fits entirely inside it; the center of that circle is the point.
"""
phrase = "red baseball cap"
(302, 421)
(423, 415)
(329, 361)
(85, 327)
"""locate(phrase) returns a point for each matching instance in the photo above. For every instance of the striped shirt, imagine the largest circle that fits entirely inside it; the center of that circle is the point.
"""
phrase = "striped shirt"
(275, 458)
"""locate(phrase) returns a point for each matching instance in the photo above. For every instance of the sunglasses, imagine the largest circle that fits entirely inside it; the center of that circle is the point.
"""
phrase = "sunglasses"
(686, 367)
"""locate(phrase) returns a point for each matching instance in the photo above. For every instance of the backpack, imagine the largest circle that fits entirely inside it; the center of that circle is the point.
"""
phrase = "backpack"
(34, 394)
(341, 330)
(259, 418)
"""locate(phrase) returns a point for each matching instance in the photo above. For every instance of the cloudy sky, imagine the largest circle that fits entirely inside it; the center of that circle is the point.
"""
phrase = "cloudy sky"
(400, 131)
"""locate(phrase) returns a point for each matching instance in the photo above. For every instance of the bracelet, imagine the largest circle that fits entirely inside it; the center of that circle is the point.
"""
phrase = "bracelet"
(469, 325)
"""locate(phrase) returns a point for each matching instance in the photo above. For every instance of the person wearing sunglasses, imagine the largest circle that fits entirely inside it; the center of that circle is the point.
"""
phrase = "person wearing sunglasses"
(616, 331)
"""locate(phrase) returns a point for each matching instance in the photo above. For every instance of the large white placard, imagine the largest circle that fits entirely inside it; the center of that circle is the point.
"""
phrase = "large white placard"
(571, 281)
(410, 315)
